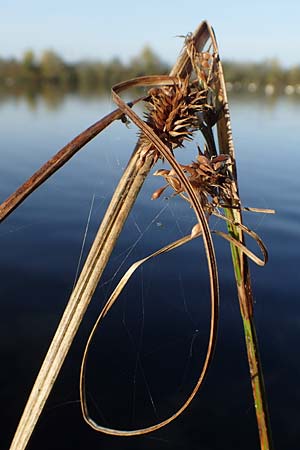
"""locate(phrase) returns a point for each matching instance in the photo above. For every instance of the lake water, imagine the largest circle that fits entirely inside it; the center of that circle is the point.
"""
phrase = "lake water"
(146, 356)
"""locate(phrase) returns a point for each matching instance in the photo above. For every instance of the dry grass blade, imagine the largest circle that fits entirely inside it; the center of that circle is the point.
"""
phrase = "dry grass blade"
(196, 232)
(56, 162)
(244, 249)
(113, 298)
(260, 210)
(251, 233)
(99, 254)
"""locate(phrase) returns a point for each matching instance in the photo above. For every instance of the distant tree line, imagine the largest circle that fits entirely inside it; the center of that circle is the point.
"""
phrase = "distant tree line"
(50, 69)
(255, 76)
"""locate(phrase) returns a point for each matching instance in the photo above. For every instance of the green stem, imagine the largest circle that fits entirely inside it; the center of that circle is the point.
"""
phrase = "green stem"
(258, 385)
(242, 276)
(240, 264)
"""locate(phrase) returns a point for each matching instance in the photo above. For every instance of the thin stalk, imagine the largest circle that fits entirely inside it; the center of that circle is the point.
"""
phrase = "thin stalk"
(243, 282)
(258, 385)
(242, 277)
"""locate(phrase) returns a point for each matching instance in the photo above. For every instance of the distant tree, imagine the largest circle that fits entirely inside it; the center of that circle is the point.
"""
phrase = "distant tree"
(293, 75)
(28, 61)
(10, 71)
(274, 74)
(114, 72)
(148, 63)
(87, 75)
(52, 66)
(29, 66)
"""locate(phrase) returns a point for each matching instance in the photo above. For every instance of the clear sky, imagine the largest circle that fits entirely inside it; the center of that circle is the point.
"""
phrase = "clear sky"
(246, 30)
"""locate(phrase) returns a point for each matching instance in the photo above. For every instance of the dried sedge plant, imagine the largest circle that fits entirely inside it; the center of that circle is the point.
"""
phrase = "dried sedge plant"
(174, 113)
(192, 98)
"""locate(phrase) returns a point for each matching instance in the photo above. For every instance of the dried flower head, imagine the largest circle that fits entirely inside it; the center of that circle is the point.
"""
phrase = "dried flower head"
(173, 114)
(209, 177)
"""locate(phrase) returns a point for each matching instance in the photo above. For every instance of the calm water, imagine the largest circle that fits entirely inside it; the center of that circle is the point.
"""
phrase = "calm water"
(148, 353)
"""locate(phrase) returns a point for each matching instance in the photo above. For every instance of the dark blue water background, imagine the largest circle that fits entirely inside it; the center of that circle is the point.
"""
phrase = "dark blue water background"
(146, 356)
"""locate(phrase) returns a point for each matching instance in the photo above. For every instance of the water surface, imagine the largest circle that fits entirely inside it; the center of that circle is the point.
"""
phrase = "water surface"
(149, 351)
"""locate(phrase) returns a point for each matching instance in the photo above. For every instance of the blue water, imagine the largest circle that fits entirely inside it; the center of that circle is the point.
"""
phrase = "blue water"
(147, 355)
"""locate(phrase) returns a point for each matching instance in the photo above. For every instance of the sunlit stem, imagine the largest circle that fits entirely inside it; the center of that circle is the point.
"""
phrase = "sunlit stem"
(242, 276)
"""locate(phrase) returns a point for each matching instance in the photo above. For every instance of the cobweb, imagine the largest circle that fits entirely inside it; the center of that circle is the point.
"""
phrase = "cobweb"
(149, 351)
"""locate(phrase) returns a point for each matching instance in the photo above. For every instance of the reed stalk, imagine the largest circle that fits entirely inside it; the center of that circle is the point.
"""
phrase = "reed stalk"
(243, 282)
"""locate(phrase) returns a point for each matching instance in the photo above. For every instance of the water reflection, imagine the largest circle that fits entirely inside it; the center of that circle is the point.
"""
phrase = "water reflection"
(40, 245)
(54, 96)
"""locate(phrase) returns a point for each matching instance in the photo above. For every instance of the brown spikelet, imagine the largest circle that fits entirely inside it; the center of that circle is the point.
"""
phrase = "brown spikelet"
(209, 177)
(173, 113)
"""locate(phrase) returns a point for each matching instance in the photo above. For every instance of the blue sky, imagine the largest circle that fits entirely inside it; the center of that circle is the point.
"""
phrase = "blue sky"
(104, 28)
